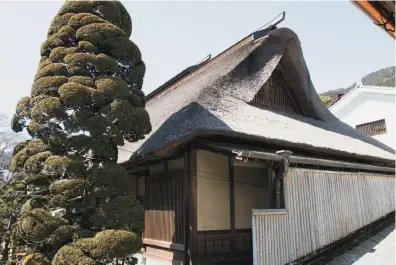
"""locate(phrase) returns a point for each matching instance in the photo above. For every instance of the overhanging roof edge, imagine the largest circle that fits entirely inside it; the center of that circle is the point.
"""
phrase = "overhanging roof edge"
(295, 159)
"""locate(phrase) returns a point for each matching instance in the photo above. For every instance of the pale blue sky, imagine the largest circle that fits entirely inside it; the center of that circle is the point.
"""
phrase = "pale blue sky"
(340, 44)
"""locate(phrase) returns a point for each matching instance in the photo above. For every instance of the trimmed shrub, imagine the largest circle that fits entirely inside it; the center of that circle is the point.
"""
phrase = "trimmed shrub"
(85, 101)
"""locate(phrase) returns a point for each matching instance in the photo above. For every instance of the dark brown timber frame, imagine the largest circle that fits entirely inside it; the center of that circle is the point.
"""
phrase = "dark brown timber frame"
(191, 224)
(232, 205)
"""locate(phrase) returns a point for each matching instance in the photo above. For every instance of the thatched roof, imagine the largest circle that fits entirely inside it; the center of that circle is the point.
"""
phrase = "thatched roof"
(214, 100)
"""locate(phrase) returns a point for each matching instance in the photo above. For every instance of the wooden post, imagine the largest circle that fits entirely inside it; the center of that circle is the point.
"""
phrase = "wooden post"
(270, 188)
(233, 247)
(191, 205)
(186, 207)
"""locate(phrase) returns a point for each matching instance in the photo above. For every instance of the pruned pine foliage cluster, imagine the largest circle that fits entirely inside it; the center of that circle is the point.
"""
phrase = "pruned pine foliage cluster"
(86, 100)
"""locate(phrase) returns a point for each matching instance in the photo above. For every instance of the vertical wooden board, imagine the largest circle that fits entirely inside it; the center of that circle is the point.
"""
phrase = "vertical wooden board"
(374, 197)
(186, 206)
(332, 207)
(178, 203)
(176, 196)
(292, 211)
(390, 190)
(274, 240)
(277, 252)
(339, 205)
(286, 224)
(355, 195)
(171, 212)
(384, 206)
(345, 197)
(326, 202)
(193, 204)
(294, 214)
(338, 198)
(285, 241)
(360, 216)
(160, 212)
(351, 201)
(232, 205)
(307, 211)
(266, 242)
(320, 199)
(369, 200)
(303, 212)
(165, 211)
(301, 207)
(312, 210)
(356, 205)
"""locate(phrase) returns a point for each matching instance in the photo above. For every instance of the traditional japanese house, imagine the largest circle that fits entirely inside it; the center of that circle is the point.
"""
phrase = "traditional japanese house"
(245, 165)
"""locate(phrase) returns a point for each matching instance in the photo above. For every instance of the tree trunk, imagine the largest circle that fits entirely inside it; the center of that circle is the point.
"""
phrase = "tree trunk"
(7, 238)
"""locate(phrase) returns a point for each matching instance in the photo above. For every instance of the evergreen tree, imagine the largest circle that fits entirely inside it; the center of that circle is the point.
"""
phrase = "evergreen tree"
(86, 100)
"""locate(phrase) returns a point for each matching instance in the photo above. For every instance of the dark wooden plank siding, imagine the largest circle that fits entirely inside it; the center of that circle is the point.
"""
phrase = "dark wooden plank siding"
(274, 94)
(244, 244)
(373, 128)
(163, 207)
(192, 206)
(216, 245)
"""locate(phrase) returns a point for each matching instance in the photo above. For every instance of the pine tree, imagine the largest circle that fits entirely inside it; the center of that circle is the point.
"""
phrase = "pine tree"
(86, 100)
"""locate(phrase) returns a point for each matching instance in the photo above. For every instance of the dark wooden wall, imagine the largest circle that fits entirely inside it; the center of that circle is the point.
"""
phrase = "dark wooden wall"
(164, 205)
(275, 94)
(217, 245)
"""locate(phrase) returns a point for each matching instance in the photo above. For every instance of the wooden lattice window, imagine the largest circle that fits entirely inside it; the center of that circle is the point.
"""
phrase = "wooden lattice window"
(373, 128)
(274, 93)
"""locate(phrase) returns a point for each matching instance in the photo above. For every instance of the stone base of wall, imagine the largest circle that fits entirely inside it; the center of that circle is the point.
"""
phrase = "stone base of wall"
(326, 254)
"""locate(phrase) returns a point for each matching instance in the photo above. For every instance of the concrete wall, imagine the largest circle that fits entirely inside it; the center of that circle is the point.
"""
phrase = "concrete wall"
(213, 196)
(321, 207)
(368, 107)
(251, 192)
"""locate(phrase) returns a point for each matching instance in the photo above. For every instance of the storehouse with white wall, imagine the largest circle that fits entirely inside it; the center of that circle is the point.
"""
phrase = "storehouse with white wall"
(371, 110)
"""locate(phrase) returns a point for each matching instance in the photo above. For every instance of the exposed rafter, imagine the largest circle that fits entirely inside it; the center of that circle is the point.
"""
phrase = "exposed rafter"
(382, 13)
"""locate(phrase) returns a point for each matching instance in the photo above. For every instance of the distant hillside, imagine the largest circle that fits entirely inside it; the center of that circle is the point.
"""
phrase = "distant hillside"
(384, 77)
